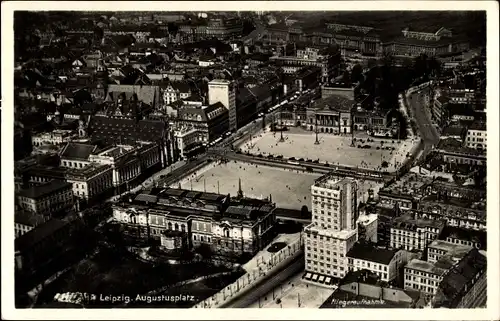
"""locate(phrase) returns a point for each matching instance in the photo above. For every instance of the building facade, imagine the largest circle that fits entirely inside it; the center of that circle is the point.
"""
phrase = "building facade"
(223, 91)
(333, 230)
(47, 199)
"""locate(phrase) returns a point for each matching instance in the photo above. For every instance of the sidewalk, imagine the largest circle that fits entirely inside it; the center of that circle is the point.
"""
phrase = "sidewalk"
(261, 259)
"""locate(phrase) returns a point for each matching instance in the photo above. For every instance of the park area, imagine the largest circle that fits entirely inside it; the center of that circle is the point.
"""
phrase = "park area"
(116, 272)
(333, 149)
(288, 188)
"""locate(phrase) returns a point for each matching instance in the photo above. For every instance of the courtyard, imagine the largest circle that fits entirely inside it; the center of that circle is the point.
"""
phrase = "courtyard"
(334, 149)
(288, 188)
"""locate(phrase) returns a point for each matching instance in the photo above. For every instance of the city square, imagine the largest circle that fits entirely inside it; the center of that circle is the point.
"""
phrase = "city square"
(288, 188)
(336, 149)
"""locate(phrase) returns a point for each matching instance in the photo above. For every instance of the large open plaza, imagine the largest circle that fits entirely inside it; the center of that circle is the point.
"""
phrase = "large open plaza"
(333, 149)
(288, 188)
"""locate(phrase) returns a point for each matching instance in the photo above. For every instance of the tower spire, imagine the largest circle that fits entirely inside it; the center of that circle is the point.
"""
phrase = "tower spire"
(240, 191)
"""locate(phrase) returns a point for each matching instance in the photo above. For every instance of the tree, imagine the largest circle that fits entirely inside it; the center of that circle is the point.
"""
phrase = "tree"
(346, 78)
(357, 73)
(385, 164)
(304, 212)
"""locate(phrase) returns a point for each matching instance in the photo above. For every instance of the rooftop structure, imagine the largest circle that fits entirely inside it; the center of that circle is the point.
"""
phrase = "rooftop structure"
(45, 189)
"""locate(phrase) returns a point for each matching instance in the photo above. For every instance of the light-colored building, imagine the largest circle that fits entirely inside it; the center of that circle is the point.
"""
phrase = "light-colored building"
(224, 225)
(439, 248)
(423, 276)
(176, 90)
(128, 162)
(476, 136)
(383, 262)
(223, 91)
(330, 115)
(56, 137)
(368, 227)
(414, 234)
(333, 230)
(90, 181)
(54, 196)
(188, 138)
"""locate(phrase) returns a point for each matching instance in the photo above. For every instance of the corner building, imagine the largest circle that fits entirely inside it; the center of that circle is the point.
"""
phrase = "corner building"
(333, 230)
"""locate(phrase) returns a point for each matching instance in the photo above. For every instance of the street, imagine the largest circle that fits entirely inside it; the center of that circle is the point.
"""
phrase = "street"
(271, 282)
(427, 131)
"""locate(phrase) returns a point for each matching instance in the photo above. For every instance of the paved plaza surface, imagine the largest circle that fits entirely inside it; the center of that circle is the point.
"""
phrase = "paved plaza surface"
(294, 293)
(289, 188)
(334, 149)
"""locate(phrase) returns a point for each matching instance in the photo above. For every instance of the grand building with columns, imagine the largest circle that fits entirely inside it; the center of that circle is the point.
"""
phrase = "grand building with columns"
(331, 115)
(228, 226)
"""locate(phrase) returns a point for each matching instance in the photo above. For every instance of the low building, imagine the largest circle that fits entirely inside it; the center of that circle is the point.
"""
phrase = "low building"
(454, 152)
(414, 234)
(363, 289)
(464, 286)
(404, 192)
(457, 212)
(47, 199)
(176, 90)
(25, 221)
(384, 263)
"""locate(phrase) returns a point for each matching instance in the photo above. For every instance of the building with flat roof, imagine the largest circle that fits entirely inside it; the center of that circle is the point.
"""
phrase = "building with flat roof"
(333, 230)
(439, 248)
(404, 192)
(414, 234)
(223, 91)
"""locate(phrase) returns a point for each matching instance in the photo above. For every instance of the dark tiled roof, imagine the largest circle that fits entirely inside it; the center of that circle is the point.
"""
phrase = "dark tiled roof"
(28, 218)
(77, 151)
(42, 190)
(465, 234)
(128, 131)
(28, 240)
(453, 286)
(370, 253)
